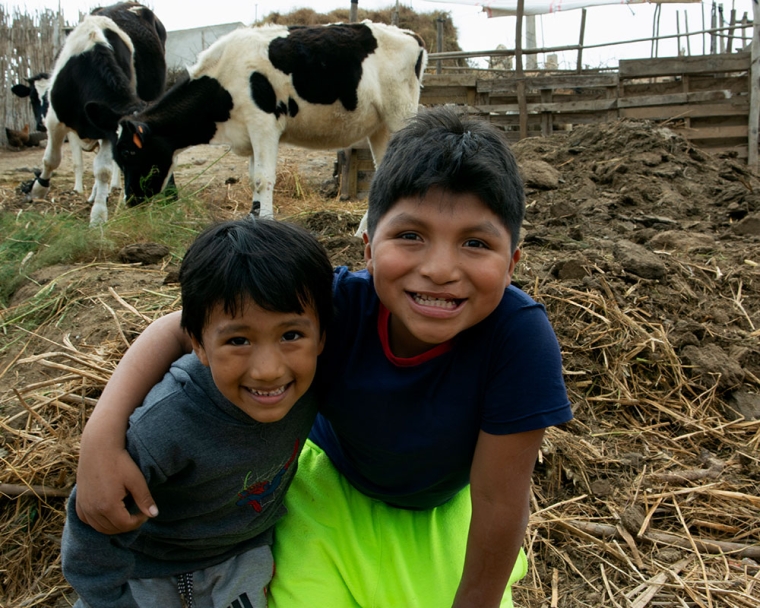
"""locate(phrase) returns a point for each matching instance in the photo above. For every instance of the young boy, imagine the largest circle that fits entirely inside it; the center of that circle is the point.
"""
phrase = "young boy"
(435, 387)
(219, 437)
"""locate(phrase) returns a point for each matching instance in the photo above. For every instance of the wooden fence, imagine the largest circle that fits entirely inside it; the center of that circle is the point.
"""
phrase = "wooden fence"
(705, 98)
(28, 46)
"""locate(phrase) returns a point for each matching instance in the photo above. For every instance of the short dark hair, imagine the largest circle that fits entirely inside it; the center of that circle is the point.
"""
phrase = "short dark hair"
(438, 149)
(280, 266)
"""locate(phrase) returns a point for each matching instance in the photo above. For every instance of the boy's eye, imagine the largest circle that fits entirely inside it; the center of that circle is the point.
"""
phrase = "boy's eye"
(475, 243)
(238, 341)
(409, 236)
(291, 336)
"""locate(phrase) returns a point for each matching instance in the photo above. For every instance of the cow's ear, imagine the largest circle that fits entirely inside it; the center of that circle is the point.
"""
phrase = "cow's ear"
(102, 116)
(137, 132)
(21, 90)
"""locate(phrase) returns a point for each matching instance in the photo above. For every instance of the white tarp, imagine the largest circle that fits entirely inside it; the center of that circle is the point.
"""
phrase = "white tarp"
(506, 8)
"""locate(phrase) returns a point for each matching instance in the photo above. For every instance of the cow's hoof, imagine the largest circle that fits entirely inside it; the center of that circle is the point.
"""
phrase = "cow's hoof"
(26, 187)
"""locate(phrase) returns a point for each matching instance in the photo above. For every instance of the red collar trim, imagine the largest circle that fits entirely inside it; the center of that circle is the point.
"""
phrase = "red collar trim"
(383, 319)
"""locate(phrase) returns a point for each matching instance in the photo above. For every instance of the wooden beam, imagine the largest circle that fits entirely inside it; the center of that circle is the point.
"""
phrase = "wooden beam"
(754, 95)
(579, 61)
(509, 85)
(646, 68)
(520, 72)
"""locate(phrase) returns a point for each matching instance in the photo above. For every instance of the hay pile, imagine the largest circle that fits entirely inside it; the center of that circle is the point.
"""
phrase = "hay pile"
(644, 251)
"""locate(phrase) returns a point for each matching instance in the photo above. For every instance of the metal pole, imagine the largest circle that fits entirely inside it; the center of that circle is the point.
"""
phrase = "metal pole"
(394, 17)
(353, 14)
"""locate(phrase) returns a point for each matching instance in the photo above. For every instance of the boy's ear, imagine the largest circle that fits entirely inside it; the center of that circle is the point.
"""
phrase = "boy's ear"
(199, 351)
(512, 264)
(367, 252)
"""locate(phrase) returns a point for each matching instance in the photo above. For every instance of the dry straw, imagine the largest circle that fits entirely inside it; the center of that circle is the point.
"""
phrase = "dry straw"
(648, 498)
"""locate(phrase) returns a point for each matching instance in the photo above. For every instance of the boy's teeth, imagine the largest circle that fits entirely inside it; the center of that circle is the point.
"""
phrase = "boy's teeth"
(273, 393)
(439, 302)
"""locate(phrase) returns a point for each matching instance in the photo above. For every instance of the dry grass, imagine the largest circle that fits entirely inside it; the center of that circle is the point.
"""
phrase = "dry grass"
(635, 503)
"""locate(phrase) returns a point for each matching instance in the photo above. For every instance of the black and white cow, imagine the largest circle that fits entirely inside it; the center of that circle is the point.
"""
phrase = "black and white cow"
(37, 92)
(115, 56)
(317, 87)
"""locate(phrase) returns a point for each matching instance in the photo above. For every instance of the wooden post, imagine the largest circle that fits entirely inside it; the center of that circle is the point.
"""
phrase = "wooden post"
(353, 13)
(678, 33)
(439, 42)
(731, 28)
(521, 101)
(394, 17)
(686, 27)
(579, 62)
(713, 20)
(754, 93)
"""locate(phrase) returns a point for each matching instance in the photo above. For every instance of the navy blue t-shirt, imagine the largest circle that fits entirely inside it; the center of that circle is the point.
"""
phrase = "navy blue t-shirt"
(404, 430)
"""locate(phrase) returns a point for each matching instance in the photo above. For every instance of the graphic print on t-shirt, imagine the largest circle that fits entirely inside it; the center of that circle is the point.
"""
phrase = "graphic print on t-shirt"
(255, 494)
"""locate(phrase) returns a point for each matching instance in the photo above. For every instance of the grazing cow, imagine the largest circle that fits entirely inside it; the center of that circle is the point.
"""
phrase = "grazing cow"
(324, 86)
(115, 56)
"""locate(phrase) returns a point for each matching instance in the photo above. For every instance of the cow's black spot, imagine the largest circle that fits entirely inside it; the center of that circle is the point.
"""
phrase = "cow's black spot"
(262, 93)
(292, 107)
(418, 65)
(325, 61)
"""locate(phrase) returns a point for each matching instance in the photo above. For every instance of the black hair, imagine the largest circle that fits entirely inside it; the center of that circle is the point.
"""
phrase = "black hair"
(438, 149)
(280, 266)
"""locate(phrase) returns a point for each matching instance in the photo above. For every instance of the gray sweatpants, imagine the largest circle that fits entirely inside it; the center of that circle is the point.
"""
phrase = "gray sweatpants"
(240, 582)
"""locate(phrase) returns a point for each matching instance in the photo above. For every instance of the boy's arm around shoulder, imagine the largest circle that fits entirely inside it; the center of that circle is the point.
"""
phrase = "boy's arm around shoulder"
(106, 473)
(500, 488)
(96, 565)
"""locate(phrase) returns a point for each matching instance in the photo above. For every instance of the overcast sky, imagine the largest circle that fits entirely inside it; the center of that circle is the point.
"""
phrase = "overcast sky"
(476, 31)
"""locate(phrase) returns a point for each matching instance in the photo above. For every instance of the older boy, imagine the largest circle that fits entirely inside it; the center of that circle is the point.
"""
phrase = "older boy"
(435, 388)
(219, 437)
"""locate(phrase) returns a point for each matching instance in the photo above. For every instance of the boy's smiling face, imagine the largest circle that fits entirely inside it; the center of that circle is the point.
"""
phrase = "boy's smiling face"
(440, 265)
(261, 361)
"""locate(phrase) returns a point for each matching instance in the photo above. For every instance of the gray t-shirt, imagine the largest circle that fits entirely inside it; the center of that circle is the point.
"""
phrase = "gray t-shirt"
(218, 478)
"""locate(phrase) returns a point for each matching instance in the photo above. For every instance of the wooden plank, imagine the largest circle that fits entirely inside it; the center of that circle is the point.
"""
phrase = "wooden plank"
(509, 85)
(449, 80)
(672, 99)
(738, 131)
(645, 68)
(684, 111)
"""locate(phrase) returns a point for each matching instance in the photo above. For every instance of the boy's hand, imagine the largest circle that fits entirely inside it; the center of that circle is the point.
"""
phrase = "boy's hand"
(101, 493)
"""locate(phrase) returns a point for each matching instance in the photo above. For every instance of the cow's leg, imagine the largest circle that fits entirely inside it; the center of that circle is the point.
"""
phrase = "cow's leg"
(378, 143)
(115, 176)
(262, 168)
(76, 157)
(102, 168)
(52, 159)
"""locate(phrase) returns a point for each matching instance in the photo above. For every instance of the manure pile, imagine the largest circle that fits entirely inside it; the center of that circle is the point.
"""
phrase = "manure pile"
(644, 251)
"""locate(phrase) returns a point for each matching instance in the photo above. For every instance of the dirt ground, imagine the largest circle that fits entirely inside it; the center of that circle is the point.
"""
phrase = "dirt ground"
(646, 253)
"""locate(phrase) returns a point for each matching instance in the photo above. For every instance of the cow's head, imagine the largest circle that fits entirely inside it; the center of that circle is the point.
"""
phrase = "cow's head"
(37, 92)
(144, 158)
